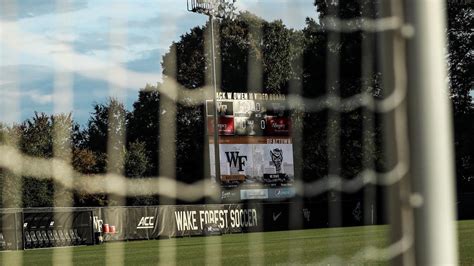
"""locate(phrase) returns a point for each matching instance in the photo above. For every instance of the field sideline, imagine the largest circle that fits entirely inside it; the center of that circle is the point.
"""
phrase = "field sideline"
(288, 247)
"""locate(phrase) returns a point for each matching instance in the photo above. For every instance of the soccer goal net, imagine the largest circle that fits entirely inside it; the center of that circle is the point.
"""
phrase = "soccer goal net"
(254, 132)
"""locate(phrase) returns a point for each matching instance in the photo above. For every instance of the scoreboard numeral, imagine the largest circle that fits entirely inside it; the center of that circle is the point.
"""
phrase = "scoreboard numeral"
(262, 124)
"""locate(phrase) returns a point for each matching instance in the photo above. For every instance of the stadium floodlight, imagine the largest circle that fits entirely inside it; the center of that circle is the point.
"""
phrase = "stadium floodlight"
(213, 8)
(222, 9)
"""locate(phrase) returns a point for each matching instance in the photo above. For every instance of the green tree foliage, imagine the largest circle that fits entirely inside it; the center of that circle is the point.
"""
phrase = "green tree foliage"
(88, 162)
(333, 65)
(143, 125)
(461, 55)
(247, 41)
(460, 66)
(107, 125)
(136, 160)
(103, 145)
(41, 136)
(189, 142)
(461, 81)
(136, 165)
(9, 182)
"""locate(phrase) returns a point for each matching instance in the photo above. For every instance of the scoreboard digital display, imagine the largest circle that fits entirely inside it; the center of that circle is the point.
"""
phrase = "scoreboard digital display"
(255, 146)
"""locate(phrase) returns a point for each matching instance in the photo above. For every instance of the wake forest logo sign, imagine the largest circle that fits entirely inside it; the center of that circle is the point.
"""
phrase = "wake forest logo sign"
(235, 160)
(277, 159)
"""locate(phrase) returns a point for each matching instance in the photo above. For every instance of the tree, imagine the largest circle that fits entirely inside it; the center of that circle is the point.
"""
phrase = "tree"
(136, 160)
(41, 136)
(10, 183)
(136, 165)
(144, 127)
(461, 55)
(144, 124)
(249, 40)
(460, 65)
(88, 162)
(107, 126)
(461, 83)
(101, 147)
(342, 141)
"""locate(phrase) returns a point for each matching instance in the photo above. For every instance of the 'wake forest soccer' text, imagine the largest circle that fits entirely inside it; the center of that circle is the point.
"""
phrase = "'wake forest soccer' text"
(233, 218)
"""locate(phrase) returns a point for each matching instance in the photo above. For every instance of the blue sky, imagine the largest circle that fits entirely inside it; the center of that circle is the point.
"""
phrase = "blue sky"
(65, 55)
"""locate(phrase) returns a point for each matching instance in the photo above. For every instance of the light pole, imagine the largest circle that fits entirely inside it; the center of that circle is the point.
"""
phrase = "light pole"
(213, 9)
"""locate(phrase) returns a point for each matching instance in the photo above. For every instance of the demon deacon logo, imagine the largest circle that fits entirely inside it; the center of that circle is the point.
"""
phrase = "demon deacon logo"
(277, 159)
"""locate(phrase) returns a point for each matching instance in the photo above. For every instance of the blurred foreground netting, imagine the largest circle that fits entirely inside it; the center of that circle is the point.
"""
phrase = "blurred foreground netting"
(252, 127)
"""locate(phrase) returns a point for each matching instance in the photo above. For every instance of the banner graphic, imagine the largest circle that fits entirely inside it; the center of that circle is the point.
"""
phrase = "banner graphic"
(196, 219)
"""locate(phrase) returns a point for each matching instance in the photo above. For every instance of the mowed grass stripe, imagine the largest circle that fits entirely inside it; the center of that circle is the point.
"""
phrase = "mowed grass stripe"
(314, 246)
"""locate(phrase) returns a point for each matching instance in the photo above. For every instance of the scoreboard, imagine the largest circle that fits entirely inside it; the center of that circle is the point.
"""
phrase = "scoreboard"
(255, 146)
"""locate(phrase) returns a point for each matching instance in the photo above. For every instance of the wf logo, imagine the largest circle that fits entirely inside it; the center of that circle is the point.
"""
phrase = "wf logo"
(234, 159)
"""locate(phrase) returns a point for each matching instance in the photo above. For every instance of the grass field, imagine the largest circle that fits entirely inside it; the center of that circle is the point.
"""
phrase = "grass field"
(315, 246)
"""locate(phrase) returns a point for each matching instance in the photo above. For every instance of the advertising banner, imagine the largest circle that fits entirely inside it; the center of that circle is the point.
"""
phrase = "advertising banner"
(111, 222)
(192, 220)
(152, 222)
(142, 223)
(255, 146)
(128, 223)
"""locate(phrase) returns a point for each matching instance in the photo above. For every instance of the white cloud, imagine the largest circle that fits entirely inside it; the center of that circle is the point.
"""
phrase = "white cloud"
(38, 98)
(26, 9)
(35, 96)
(293, 13)
(69, 60)
(14, 102)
